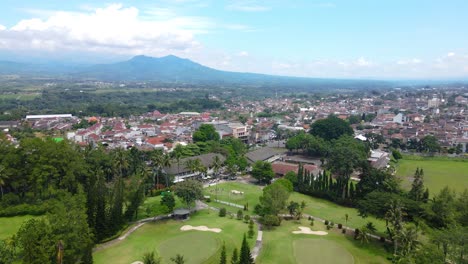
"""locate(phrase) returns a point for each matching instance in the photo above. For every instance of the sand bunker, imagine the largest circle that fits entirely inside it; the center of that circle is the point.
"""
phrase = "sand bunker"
(308, 231)
(138, 262)
(200, 228)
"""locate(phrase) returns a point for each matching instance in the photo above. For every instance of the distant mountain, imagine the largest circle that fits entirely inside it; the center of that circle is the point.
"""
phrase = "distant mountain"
(172, 69)
(167, 69)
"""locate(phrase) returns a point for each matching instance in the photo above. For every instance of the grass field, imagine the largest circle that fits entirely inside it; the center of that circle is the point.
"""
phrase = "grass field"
(336, 213)
(166, 238)
(314, 206)
(438, 173)
(10, 225)
(250, 196)
(281, 246)
(152, 207)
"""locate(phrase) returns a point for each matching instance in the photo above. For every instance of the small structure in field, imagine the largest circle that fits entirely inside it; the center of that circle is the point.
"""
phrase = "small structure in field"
(181, 214)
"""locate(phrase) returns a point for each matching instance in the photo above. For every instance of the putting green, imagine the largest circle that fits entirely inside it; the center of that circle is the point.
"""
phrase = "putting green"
(195, 246)
(320, 251)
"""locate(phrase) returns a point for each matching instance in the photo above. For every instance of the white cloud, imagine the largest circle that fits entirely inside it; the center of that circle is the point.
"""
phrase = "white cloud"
(113, 29)
(243, 54)
(408, 61)
(450, 54)
(363, 62)
(2, 27)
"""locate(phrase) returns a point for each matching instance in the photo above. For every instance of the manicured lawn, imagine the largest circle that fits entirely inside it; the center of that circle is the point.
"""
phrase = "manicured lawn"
(438, 173)
(281, 246)
(166, 238)
(320, 251)
(250, 196)
(336, 213)
(10, 225)
(314, 206)
(152, 207)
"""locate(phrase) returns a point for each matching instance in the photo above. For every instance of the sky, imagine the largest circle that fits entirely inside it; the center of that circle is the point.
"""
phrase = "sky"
(380, 39)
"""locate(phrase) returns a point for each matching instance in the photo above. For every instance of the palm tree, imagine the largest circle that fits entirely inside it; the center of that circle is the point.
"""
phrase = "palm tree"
(408, 237)
(394, 217)
(194, 165)
(3, 178)
(178, 259)
(151, 258)
(364, 234)
(120, 161)
(160, 160)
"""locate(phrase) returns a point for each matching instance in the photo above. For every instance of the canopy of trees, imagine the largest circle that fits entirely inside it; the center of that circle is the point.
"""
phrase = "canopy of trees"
(331, 128)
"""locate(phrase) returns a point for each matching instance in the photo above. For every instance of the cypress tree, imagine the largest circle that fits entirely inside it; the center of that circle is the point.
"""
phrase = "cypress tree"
(235, 257)
(101, 226)
(223, 255)
(426, 195)
(417, 187)
(245, 256)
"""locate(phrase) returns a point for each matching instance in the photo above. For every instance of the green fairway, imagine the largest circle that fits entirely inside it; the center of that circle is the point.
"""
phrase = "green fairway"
(314, 206)
(152, 207)
(280, 245)
(10, 225)
(224, 193)
(167, 240)
(336, 213)
(186, 245)
(438, 173)
(320, 251)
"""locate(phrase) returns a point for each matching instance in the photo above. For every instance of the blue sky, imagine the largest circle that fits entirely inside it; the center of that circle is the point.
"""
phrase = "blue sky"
(345, 39)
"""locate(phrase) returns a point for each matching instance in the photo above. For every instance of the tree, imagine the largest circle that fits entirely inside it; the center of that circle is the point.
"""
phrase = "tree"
(36, 242)
(273, 199)
(3, 179)
(331, 128)
(346, 155)
(160, 161)
(429, 144)
(151, 258)
(68, 222)
(286, 184)
(189, 191)
(168, 200)
(235, 257)
(205, 132)
(251, 229)
(292, 177)
(178, 259)
(223, 259)
(394, 219)
(262, 171)
(245, 256)
(417, 187)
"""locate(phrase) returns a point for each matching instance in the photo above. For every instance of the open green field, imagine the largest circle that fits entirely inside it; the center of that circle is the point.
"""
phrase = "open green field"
(22, 96)
(280, 245)
(10, 225)
(438, 173)
(335, 213)
(314, 206)
(152, 207)
(223, 192)
(167, 239)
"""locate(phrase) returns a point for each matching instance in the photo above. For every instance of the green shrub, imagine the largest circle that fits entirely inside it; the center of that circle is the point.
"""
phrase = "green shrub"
(326, 222)
(340, 226)
(240, 214)
(222, 212)
(343, 231)
(246, 218)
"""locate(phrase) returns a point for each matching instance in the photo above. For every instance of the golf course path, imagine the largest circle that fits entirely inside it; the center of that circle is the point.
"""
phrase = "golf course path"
(137, 225)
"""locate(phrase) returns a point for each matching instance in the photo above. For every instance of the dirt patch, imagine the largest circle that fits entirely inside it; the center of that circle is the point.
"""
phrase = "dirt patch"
(308, 231)
(200, 228)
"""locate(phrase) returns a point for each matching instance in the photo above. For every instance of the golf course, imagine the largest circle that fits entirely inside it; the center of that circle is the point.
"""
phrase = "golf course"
(167, 239)
(280, 245)
(438, 173)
